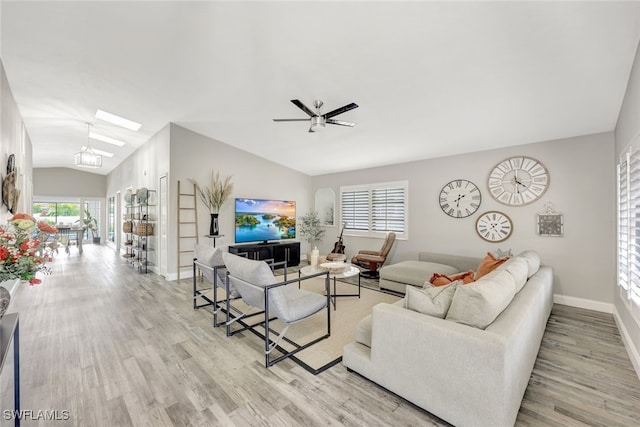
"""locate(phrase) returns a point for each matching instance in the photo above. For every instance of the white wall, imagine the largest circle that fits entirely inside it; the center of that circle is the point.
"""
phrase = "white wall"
(14, 140)
(67, 182)
(627, 134)
(195, 156)
(582, 179)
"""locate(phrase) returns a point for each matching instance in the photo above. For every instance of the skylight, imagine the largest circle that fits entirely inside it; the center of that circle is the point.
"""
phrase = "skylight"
(117, 120)
(106, 139)
(103, 153)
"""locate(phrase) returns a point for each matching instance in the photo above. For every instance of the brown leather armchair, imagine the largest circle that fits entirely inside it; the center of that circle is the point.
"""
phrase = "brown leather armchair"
(373, 260)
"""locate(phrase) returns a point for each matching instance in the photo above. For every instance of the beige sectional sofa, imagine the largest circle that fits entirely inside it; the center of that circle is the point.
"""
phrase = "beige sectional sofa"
(466, 375)
(396, 277)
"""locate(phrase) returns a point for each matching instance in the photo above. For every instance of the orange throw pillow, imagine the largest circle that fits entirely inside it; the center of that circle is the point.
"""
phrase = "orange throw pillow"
(488, 264)
(441, 279)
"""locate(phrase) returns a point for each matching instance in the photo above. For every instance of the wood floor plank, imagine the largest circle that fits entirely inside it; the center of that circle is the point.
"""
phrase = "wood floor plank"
(118, 348)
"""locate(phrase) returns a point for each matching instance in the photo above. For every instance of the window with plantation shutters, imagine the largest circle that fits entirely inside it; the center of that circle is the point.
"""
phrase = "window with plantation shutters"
(629, 229)
(375, 209)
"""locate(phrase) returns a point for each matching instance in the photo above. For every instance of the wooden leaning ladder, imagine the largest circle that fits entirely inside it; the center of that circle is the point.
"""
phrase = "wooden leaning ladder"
(187, 228)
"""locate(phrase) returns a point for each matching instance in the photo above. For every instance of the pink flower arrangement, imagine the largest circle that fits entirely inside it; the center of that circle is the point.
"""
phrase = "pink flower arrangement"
(22, 248)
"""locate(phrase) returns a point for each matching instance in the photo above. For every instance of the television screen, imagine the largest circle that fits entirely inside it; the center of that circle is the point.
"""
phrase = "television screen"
(263, 220)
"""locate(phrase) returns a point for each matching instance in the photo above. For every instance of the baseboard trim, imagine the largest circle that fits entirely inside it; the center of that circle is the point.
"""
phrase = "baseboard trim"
(632, 351)
(588, 304)
(171, 277)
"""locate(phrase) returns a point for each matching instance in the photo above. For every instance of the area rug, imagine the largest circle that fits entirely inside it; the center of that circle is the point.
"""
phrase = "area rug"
(348, 312)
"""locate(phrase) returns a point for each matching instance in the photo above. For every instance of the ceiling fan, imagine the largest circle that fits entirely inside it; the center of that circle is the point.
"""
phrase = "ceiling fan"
(318, 120)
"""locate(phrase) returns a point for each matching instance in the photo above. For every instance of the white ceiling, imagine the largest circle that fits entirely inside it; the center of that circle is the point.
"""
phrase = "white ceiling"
(431, 78)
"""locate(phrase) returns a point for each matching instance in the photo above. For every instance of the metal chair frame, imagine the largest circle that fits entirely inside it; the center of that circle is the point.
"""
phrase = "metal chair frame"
(269, 344)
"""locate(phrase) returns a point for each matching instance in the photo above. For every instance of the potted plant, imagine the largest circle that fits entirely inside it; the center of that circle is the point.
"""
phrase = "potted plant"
(91, 224)
(311, 229)
(213, 196)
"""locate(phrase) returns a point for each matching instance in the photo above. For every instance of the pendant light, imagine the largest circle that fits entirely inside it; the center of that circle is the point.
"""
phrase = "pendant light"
(86, 157)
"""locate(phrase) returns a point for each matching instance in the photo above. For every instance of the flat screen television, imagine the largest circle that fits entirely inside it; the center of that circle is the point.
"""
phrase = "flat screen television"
(260, 220)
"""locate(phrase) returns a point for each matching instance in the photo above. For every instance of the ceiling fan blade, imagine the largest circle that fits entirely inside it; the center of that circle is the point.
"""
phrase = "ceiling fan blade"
(290, 120)
(340, 122)
(303, 107)
(341, 110)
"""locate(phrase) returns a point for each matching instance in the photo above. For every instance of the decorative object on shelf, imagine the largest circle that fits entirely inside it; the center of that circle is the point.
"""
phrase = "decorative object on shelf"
(86, 157)
(128, 196)
(518, 181)
(143, 196)
(10, 194)
(494, 226)
(311, 229)
(21, 254)
(144, 229)
(213, 196)
(460, 198)
(550, 223)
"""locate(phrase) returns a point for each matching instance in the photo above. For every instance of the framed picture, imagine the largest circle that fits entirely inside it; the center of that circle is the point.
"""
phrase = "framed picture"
(550, 225)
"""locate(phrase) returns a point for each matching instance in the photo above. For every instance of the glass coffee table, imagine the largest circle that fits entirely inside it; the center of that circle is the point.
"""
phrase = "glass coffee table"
(350, 272)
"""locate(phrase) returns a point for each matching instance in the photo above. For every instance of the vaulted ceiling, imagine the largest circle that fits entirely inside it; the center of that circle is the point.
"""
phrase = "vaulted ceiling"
(431, 78)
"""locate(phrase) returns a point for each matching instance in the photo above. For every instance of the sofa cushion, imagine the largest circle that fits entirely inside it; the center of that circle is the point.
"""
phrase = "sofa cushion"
(431, 300)
(518, 268)
(363, 328)
(479, 303)
(414, 272)
(533, 261)
(488, 264)
(442, 279)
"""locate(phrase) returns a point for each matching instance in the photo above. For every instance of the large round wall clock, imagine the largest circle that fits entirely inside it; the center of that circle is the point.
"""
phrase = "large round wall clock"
(460, 198)
(518, 181)
(494, 226)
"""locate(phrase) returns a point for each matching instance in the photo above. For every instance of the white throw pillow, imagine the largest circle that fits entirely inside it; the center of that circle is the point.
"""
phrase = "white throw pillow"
(478, 304)
(519, 269)
(431, 300)
(533, 261)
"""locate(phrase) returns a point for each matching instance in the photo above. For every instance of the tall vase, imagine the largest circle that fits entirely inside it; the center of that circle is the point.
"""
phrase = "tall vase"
(213, 228)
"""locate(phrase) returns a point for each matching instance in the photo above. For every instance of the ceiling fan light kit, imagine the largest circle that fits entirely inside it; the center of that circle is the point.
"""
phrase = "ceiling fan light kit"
(318, 121)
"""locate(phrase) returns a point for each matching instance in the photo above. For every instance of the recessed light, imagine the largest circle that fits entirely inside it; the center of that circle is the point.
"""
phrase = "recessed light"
(117, 120)
(102, 153)
(106, 139)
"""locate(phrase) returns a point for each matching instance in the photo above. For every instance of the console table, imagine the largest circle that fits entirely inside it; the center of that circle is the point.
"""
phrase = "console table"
(278, 252)
(10, 366)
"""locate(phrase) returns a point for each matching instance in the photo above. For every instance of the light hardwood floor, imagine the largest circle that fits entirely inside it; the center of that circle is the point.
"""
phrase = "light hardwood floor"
(118, 348)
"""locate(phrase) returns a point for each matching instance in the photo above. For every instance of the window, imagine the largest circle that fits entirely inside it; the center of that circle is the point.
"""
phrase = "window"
(629, 229)
(111, 219)
(375, 209)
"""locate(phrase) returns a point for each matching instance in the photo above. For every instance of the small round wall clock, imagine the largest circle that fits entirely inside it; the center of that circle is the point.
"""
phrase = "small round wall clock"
(494, 226)
(460, 198)
(518, 181)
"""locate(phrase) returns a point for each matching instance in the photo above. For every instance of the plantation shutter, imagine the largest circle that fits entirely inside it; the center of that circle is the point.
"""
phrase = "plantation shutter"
(373, 210)
(355, 209)
(634, 227)
(387, 209)
(623, 224)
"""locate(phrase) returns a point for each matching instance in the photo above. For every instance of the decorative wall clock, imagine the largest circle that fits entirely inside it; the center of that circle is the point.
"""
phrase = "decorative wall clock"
(518, 181)
(550, 223)
(460, 198)
(494, 226)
